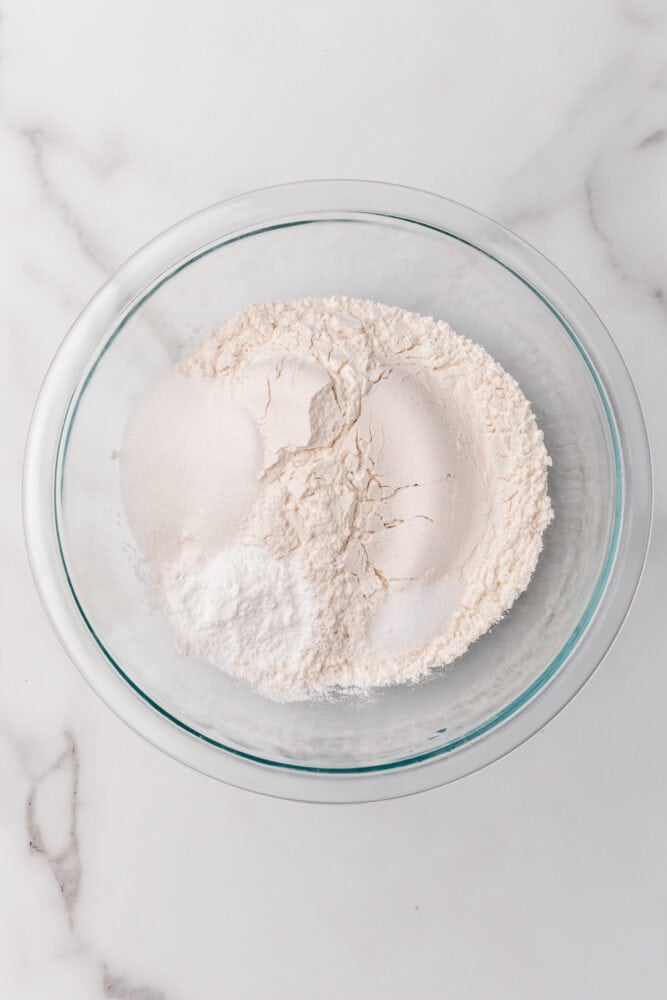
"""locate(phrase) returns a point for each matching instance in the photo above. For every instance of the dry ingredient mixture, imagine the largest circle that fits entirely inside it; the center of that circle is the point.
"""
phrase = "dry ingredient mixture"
(334, 493)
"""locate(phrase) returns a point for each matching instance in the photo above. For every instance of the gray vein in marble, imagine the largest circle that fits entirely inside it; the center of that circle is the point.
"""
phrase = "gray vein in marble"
(549, 163)
(591, 212)
(118, 988)
(657, 293)
(654, 139)
(37, 140)
(65, 863)
(635, 16)
(550, 196)
(534, 214)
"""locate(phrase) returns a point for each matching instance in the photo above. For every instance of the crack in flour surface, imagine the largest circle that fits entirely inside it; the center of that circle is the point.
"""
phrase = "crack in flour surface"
(334, 493)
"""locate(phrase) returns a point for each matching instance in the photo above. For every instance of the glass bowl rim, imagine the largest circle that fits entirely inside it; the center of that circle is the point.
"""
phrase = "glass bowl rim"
(288, 205)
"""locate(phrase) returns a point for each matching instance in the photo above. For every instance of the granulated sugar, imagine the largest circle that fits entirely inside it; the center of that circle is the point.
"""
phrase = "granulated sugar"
(335, 494)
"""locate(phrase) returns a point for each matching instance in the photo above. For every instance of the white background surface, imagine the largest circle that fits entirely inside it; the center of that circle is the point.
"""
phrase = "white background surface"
(123, 874)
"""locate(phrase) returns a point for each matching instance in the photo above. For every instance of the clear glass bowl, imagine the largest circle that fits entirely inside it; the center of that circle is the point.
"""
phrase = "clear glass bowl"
(398, 246)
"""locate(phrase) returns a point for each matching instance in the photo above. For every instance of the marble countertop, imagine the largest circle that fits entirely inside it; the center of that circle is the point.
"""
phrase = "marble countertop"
(125, 875)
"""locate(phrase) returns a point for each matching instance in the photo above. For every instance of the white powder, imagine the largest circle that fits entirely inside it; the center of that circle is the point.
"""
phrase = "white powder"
(242, 607)
(190, 461)
(335, 493)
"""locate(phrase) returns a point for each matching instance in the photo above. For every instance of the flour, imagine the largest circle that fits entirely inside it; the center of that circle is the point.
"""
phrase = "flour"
(335, 494)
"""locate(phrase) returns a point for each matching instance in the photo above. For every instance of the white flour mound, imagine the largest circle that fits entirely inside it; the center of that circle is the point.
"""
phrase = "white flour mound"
(334, 493)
